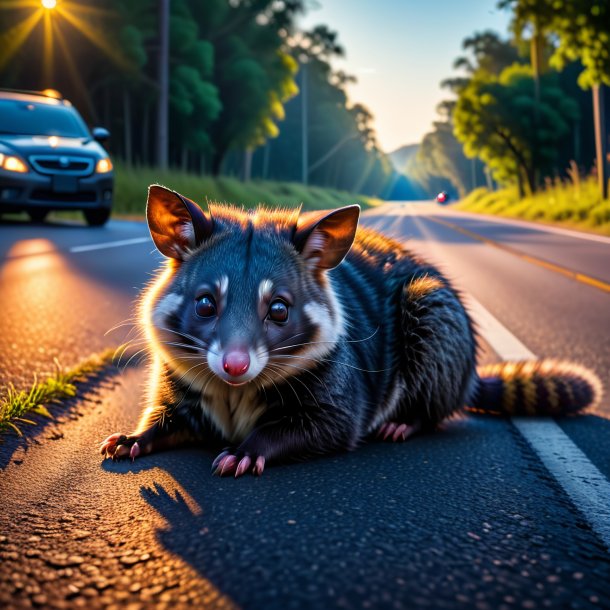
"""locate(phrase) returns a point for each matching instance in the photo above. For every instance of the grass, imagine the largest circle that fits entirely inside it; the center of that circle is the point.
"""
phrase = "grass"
(131, 186)
(16, 405)
(576, 205)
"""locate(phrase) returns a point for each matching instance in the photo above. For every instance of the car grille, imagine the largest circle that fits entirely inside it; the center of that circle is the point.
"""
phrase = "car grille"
(50, 196)
(62, 164)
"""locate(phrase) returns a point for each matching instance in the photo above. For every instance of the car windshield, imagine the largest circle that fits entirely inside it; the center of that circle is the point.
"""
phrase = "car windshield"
(33, 119)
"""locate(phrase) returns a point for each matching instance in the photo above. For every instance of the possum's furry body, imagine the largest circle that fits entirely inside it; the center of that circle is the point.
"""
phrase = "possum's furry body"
(288, 335)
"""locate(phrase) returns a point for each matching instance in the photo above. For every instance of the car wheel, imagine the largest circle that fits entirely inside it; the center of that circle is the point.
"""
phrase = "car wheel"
(38, 215)
(97, 218)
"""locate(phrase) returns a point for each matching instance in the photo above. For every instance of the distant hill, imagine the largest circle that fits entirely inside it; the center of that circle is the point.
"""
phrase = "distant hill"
(400, 156)
(404, 187)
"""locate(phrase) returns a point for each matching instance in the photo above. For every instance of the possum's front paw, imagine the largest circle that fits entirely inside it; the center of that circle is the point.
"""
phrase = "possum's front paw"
(118, 446)
(397, 431)
(233, 462)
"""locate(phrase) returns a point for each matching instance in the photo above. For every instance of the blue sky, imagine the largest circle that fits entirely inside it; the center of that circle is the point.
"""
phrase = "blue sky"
(400, 50)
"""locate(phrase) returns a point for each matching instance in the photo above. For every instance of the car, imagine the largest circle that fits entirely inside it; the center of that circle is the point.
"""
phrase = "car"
(443, 198)
(49, 160)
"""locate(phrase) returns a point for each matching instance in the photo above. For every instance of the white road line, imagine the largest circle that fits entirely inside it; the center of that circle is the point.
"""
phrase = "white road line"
(501, 340)
(586, 486)
(111, 244)
(532, 226)
(425, 208)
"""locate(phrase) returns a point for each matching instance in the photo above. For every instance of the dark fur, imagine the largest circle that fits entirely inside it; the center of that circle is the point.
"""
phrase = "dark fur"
(407, 354)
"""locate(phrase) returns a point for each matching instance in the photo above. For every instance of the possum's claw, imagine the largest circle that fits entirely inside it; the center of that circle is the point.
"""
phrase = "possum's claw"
(228, 463)
(118, 446)
(396, 432)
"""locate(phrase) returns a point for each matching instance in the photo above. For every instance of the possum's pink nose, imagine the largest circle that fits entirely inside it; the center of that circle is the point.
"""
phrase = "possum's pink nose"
(236, 362)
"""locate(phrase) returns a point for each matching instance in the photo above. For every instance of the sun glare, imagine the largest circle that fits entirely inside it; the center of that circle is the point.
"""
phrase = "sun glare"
(48, 4)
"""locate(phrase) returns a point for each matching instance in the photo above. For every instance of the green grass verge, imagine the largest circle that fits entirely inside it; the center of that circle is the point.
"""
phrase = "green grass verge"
(577, 206)
(131, 185)
(16, 404)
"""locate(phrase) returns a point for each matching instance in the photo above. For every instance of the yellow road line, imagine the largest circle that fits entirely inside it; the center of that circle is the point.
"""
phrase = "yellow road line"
(579, 277)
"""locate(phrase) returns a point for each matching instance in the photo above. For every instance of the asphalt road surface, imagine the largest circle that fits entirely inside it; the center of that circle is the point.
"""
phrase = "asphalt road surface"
(488, 513)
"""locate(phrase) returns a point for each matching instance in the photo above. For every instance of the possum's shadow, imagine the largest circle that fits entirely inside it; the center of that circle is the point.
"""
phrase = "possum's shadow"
(364, 526)
(301, 532)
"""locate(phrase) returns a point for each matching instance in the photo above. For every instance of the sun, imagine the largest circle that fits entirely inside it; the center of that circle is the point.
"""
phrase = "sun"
(48, 4)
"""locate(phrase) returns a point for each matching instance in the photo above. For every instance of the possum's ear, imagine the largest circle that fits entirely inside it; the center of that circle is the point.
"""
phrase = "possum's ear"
(176, 223)
(325, 238)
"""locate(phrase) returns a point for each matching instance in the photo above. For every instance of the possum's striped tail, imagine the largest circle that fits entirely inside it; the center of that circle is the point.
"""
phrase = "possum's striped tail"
(544, 387)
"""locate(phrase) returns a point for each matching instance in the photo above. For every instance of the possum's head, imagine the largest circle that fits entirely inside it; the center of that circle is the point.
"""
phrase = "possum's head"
(245, 294)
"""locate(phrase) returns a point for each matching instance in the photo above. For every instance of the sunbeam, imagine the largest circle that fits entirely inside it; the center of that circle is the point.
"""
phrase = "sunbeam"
(71, 65)
(97, 38)
(19, 4)
(16, 36)
(87, 10)
(47, 60)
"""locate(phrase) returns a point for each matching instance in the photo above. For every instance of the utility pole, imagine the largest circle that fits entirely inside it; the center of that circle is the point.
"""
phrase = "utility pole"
(601, 139)
(304, 127)
(163, 75)
(473, 173)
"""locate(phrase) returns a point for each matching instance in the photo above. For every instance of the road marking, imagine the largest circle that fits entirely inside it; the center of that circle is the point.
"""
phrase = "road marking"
(111, 244)
(532, 226)
(579, 277)
(500, 339)
(585, 485)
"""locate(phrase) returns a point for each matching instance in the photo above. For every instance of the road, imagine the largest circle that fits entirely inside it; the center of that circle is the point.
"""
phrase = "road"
(471, 517)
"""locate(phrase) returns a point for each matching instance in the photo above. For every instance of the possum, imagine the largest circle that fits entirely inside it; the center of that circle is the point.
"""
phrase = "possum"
(284, 335)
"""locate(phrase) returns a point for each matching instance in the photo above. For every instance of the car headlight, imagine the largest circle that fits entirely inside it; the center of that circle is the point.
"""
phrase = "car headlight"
(13, 164)
(103, 166)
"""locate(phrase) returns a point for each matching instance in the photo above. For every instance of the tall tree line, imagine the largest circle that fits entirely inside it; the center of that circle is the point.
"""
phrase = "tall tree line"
(235, 79)
(520, 106)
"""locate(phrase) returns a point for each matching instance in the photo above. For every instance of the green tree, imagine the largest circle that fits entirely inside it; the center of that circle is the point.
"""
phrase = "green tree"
(581, 29)
(343, 151)
(499, 120)
(441, 154)
(440, 163)
(252, 72)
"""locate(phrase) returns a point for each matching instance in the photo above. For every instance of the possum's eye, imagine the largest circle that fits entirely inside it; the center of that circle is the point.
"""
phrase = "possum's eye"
(205, 307)
(278, 311)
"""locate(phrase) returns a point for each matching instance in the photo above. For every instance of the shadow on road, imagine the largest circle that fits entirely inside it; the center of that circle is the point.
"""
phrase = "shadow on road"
(456, 506)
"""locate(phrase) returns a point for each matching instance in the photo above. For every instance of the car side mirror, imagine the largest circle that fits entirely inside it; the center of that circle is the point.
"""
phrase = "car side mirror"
(101, 134)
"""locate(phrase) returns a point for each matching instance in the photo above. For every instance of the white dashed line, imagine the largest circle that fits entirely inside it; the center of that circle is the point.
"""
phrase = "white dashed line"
(586, 486)
(111, 244)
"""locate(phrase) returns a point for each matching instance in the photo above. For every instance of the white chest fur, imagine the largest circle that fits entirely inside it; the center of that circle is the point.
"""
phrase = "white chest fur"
(233, 410)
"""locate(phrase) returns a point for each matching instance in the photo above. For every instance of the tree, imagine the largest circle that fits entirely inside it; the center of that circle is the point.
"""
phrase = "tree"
(343, 152)
(495, 120)
(582, 32)
(440, 163)
(441, 154)
(253, 74)
(582, 29)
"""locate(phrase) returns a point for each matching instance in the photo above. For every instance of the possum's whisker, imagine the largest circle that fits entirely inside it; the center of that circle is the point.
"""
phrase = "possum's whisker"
(191, 385)
(198, 364)
(140, 351)
(323, 342)
(302, 383)
(351, 366)
(286, 380)
(274, 385)
(127, 322)
(196, 340)
(309, 372)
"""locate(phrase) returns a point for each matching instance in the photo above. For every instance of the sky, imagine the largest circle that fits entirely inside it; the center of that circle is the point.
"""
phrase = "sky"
(400, 51)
